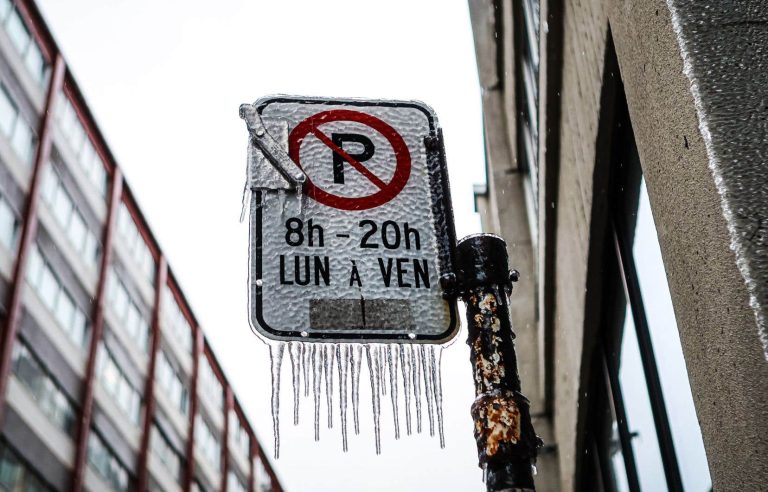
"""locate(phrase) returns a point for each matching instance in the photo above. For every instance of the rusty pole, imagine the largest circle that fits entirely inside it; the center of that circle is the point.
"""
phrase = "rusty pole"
(506, 442)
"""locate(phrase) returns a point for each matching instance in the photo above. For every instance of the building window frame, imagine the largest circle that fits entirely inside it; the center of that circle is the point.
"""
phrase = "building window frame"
(610, 458)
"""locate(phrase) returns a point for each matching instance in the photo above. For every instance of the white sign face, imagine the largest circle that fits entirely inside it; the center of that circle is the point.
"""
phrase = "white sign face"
(357, 255)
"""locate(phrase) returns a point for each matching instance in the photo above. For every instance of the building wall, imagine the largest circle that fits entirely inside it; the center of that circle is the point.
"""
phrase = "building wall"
(98, 342)
(719, 330)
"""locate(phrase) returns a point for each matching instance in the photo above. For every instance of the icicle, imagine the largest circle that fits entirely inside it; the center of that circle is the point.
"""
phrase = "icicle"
(300, 199)
(342, 360)
(405, 366)
(425, 371)
(416, 373)
(317, 368)
(306, 357)
(281, 201)
(276, 359)
(375, 383)
(329, 356)
(392, 366)
(357, 358)
(247, 192)
(437, 386)
(294, 352)
(382, 370)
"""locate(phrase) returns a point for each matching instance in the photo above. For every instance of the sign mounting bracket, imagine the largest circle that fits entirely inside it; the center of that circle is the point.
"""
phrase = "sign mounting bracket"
(271, 148)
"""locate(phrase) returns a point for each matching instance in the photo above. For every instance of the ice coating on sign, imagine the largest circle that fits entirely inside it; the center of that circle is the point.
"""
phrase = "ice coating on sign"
(362, 252)
(719, 44)
(353, 250)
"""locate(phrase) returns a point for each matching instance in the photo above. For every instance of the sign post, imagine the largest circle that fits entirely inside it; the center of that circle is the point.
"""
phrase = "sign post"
(507, 444)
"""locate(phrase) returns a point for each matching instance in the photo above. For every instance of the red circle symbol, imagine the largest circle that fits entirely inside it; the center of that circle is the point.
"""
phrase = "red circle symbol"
(386, 192)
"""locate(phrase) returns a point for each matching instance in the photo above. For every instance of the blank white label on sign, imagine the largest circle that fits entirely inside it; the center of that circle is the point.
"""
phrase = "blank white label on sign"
(358, 256)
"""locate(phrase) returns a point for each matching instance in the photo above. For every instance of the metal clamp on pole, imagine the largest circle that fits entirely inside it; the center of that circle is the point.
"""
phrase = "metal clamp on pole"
(271, 148)
(506, 442)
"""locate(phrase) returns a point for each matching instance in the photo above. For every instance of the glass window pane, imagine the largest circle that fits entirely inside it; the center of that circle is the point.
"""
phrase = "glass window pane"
(86, 155)
(5, 9)
(23, 140)
(35, 267)
(90, 248)
(62, 208)
(121, 301)
(49, 288)
(18, 32)
(10, 469)
(50, 184)
(77, 231)
(65, 310)
(642, 428)
(8, 112)
(35, 62)
(7, 225)
(686, 433)
(78, 328)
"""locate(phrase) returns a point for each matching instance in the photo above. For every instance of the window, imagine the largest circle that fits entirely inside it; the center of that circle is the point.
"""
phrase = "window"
(263, 480)
(135, 243)
(80, 144)
(170, 383)
(56, 298)
(9, 224)
(165, 452)
(526, 29)
(15, 475)
(643, 433)
(240, 437)
(212, 390)
(26, 45)
(207, 442)
(234, 484)
(70, 218)
(49, 396)
(117, 385)
(106, 464)
(16, 128)
(178, 325)
(127, 311)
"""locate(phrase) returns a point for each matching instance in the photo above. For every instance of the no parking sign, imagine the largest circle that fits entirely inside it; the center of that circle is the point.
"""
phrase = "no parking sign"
(351, 229)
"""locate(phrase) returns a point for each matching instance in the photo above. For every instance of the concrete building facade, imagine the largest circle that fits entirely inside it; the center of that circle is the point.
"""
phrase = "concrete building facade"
(625, 163)
(107, 381)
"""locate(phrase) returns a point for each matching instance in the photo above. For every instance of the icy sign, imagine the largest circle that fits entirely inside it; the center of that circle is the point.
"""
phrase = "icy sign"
(351, 228)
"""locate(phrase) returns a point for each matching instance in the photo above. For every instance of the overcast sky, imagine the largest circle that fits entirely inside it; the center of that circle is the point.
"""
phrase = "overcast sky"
(165, 80)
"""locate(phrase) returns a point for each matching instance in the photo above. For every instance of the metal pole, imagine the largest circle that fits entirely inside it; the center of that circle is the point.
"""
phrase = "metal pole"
(506, 442)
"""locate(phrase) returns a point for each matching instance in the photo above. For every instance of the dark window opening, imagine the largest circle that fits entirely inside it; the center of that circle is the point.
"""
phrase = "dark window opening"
(642, 433)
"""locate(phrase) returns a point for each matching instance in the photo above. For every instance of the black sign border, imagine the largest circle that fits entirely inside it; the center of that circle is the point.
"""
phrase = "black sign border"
(442, 212)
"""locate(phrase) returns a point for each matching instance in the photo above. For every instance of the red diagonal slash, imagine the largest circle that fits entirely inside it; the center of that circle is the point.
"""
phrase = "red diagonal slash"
(352, 162)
